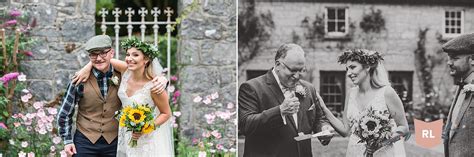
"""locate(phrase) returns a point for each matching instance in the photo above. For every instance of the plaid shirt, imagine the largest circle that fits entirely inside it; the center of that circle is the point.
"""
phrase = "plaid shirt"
(72, 97)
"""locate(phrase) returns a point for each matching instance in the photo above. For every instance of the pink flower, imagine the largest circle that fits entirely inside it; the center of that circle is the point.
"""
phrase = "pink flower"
(219, 146)
(177, 94)
(230, 105)
(15, 13)
(2, 125)
(174, 78)
(11, 22)
(195, 140)
(216, 134)
(52, 111)
(207, 101)
(31, 154)
(21, 154)
(26, 98)
(177, 113)
(24, 144)
(52, 148)
(37, 105)
(206, 134)
(17, 124)
(56, 140)
(210, 118)
(214, 95)
(202, 154)
(42, 131)
(7, 77)
(171, 89)
(22, 77)
(224, 115)
(197, 99)
(28, 53)
(30, 115)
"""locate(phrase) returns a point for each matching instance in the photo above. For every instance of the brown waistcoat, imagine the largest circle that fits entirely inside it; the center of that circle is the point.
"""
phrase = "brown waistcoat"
(95, 116)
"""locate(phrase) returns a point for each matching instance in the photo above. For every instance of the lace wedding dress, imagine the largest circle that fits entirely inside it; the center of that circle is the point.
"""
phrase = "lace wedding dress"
(155, 144)
(354, 110)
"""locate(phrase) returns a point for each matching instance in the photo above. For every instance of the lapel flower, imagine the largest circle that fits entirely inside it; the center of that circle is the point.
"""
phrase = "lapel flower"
(114, 80)
(468, 88)
(300, 91)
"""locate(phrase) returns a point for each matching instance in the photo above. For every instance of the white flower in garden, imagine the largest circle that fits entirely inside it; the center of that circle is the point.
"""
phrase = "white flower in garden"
(25, 91)
(56, 140)
(214, 95)
(197, 99)
(207, 101)
(202, 154)
(230, 105)
(171, 89)
(31, 154)
(219, 147)
(22, 77)
(177, 113)
(52, 148)
(21, 154)
(11, 142)
(210, 144)
(212, 150)
(24, 144)
(42, 131)
(210, 118)
(232, 150)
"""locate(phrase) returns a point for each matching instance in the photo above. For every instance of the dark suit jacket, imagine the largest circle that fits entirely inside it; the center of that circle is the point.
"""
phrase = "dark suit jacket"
(461, 142)
(261, 122)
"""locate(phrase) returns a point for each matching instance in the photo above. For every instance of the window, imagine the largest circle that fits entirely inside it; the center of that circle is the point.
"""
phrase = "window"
(255, 73)
(402, 82)
(336, 22)
(332, 90)
(453, 23)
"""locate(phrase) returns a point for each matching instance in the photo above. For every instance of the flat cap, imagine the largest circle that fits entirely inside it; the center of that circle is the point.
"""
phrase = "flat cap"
(463, 44)
(98, 42)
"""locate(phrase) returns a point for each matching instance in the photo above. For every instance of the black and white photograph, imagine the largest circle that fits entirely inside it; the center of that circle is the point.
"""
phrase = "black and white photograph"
(350, 78)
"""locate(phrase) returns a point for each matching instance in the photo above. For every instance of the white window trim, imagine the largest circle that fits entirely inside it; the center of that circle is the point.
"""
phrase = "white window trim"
(346, 23)
(452, 35)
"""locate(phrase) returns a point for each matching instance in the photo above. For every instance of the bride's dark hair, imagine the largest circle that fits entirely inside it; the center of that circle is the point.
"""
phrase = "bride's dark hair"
(368, 59)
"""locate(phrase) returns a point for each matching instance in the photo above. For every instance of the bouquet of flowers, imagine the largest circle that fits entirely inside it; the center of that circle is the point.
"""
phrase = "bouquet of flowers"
(374, 128)
(137, 118)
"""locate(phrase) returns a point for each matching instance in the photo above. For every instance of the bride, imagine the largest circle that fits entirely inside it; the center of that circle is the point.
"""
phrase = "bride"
(372, 90)
(138, 70)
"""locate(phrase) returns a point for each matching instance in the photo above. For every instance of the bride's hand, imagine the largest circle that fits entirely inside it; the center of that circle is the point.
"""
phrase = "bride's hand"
(136, 135)
(82, 75)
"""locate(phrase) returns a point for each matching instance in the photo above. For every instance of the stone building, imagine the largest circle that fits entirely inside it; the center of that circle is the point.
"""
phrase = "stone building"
(325, 28)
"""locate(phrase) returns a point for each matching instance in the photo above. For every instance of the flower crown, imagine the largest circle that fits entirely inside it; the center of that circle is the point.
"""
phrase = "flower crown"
(148, 49)
(363, 56)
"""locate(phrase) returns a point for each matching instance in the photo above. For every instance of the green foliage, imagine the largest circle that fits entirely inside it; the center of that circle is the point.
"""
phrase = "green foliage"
(254, 31)
(373, 21)
(313, 31)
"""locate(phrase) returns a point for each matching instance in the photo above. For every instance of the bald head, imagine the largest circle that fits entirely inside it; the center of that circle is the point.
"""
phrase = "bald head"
(291, 49)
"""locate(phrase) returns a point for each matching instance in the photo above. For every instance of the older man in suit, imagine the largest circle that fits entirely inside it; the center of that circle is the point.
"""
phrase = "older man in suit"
(275, 107)
(459, 129)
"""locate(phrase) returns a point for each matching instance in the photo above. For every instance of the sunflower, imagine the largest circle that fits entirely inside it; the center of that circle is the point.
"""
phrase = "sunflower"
(371, 125)
(136, 116)
(126, 109)
(147, 128)
(122, 120)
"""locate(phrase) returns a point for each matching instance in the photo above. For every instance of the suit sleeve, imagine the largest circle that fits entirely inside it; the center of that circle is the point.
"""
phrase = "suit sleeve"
(320, 119)
(252, 121)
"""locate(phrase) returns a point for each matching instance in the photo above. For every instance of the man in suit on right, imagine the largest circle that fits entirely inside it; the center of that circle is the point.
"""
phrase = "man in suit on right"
(458, 133)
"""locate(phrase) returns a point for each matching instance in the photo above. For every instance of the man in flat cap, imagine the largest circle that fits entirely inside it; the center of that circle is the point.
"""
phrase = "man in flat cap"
(458, 132)
(97, 100)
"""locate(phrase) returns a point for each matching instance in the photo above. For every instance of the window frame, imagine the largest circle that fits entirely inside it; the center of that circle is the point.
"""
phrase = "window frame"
(346, 22)
(452, 35)
(337, 75)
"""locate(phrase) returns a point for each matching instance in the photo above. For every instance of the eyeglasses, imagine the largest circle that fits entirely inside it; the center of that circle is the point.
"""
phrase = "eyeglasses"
(103, 53)
(294, 71)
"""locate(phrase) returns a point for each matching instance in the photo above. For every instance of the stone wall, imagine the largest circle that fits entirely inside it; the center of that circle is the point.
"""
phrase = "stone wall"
(207, 53)
(60, 23)
(397, 43)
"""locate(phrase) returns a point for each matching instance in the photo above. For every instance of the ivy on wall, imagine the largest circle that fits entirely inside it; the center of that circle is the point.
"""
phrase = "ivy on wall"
(313, 31)
(373, 21)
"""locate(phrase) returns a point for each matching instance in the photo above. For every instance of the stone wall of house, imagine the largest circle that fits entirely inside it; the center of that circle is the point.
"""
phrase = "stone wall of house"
(207, 53)
(61, 23)
(397, 42)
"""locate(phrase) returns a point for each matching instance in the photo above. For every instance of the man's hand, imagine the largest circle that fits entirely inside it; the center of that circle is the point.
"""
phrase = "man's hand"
(70, 149)
(136, 135)
(159, 84)
(290, 105)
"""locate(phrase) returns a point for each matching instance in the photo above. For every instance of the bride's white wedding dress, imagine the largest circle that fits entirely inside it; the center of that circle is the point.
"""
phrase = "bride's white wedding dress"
(354, 110)
(157, 143)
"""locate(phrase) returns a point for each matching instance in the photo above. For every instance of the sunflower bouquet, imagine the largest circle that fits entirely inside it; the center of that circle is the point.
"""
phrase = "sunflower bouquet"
(374, 129)
(137, 118)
